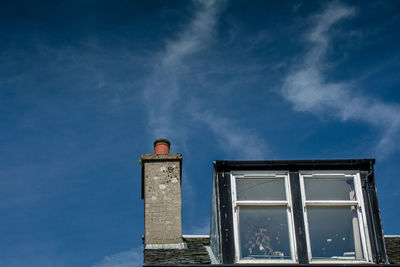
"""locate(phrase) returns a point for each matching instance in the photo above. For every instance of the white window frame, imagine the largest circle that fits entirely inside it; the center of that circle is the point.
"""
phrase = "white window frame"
(362, 220)
(288, 203)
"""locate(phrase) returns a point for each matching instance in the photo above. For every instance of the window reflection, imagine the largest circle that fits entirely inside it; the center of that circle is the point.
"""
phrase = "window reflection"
(264, 233)
(260, 189)
(329, 188)
(334, 233)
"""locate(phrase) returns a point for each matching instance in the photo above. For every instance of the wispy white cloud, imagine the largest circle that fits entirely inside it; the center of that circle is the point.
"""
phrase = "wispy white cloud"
(307, 88)
(129, 258)
(234, 140)
(163, 92)
(162, 89)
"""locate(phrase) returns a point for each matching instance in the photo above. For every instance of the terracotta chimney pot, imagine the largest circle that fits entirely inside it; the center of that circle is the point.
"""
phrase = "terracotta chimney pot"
(161, 146)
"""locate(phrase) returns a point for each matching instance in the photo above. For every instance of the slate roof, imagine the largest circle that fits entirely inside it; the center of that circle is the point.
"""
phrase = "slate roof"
(195, 253)
(392, 244)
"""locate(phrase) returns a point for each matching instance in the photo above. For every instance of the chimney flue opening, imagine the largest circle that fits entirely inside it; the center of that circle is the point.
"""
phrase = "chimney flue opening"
(161, 146)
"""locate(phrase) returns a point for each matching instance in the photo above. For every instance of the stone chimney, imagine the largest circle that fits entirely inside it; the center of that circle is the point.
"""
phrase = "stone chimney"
(161, 191)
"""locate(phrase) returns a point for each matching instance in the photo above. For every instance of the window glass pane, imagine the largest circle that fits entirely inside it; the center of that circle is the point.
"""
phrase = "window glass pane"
(329, 188)
(334, 233)
(260, 189)
(263, 233)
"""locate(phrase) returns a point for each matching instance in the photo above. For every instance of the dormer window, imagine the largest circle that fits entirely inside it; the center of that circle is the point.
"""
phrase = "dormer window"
(302, 212)
(263, 221)
(334, 217)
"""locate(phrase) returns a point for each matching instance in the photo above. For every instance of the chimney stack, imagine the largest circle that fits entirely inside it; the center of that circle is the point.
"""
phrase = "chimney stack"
(161, 191)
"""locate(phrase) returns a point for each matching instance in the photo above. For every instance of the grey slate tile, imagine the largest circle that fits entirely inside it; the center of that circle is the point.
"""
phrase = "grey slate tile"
(196, 253)
(393, 249)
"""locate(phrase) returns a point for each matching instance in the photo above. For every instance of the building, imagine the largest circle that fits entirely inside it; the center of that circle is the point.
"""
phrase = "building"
(322, 212)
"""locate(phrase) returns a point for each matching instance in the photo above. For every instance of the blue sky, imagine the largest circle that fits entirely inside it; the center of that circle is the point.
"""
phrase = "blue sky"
(87, 86)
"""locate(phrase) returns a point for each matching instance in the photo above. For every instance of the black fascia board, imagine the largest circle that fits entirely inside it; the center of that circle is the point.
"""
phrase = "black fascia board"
(293, 165)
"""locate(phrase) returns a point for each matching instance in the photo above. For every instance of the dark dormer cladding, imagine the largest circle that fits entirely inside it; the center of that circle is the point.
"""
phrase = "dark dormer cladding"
(296, 212)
